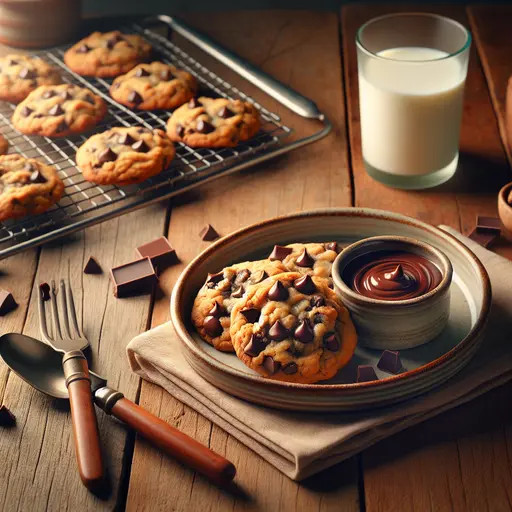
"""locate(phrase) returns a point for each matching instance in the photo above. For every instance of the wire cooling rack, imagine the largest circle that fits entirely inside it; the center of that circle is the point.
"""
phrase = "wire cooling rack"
(84, 203)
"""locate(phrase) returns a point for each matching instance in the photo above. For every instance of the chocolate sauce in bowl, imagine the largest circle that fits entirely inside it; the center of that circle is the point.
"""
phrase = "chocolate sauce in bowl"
(392, 275)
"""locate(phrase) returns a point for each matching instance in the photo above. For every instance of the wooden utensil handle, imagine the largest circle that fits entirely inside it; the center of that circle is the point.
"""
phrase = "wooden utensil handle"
(175, 443)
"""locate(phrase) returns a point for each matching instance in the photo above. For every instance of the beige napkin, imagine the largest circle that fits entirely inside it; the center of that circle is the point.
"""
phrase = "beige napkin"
(301, 444)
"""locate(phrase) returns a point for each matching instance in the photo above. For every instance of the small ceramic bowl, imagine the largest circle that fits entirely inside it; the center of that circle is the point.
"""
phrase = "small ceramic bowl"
(395, 324)
(505, 210)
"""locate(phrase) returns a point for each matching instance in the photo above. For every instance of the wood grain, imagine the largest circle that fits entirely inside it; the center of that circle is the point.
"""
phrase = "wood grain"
(289, 44)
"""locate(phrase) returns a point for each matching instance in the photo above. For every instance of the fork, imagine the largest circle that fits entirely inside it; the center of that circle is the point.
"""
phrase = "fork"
(69, 339)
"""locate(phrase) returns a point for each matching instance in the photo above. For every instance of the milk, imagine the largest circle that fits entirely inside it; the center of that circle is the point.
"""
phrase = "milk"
(411, 111)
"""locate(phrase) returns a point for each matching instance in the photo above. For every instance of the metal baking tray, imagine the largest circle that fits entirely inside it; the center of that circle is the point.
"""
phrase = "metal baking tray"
(85, 204)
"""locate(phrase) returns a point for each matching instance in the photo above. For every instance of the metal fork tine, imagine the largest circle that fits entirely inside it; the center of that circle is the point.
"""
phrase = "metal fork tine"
(64, 309)
(42, 318)
(55, 313)
(72, 311)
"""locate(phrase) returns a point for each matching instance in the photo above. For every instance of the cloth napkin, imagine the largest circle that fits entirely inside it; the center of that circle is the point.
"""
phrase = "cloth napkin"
(301, 444)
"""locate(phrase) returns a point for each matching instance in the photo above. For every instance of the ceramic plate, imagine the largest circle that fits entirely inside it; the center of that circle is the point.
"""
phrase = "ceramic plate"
(425, 367)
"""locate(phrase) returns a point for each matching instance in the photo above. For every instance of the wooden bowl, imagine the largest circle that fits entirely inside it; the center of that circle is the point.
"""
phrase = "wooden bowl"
(505, 211)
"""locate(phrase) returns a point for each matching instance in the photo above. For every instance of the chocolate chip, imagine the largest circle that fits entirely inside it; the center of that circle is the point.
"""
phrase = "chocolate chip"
(166, 75)
(7, 418)
(83, 49)
(89, 99)
(215, 278)
(203, 126)
(304, 332)
(140, 146)
(366, 373)
(208, 233)
(44, 290)
(331, 246)
(212, 326)
(305, 285)
(270, 365)
(237, 293)
(92, 266)
(290, 368)
(330, 342)
(7, 302)
(390, 362)
(48, 94)
(28, 167)
(256, 345)
(317, 301)
(251, 314)
(107, 155)
(305, 260)
(180, 130)
(26, 111)
(135, 98)
(259, 276)
(280, 252)
(11, 62)
(62, 127)
(193, 103)
(278, 292)
(141, 72)
(278, 332)
(113, 41)
(126, 139)
(217, 311)
(67, 96)
(27, 73)
(37, 177)
(242, 276)
(56, 110)
(225, 113)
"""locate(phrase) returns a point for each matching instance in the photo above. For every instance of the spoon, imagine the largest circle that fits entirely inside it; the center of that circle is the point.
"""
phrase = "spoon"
(41, 367)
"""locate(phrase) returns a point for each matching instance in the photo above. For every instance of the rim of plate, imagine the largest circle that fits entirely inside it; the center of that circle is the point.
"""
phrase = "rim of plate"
(188, 340)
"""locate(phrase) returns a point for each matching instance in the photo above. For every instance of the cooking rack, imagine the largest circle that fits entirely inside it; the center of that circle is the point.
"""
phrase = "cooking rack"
(84, 204)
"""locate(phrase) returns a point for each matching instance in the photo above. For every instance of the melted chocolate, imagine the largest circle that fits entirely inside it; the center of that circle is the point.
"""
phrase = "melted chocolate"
(392, 275)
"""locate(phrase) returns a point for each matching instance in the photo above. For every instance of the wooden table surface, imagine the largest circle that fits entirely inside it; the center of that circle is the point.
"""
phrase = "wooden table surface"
(460, 460)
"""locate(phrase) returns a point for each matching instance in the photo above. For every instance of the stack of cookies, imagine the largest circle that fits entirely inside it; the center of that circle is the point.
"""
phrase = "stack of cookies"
(279, 315)
(121, 155)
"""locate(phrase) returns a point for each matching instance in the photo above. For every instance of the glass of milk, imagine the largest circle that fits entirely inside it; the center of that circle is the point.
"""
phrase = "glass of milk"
(412, 68)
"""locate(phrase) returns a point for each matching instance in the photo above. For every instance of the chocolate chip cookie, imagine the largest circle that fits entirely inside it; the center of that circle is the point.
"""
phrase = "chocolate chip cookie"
(124, 156)
(4, 145)
(215, 300)
(27, 186)
(21, 74)
(213, 123)
(107, 54)
(292, 327)
(312, 258)
(58, 111)
(153, 86)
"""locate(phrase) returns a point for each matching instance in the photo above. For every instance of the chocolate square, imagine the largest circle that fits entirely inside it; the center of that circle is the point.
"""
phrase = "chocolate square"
(159, 251)
(135, 278)
(366, 373)
(488, 224)
(390, 362)
(484, 238)
(7, 302)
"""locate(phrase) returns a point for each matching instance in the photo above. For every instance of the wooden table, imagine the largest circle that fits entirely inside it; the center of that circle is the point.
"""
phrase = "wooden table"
(461, 460)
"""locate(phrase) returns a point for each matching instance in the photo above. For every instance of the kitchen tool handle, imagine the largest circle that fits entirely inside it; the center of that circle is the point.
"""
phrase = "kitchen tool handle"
(83, 415)
(273, 87)
(175, 443)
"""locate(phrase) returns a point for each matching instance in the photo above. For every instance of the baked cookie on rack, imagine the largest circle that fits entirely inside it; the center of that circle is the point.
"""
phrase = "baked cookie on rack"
(58, 111)
(153, 86)
(21, 74)
(292, 327)
(4, 145)
(27, 187)
(213, 123)
(124, 156)
(107, 54)
(215, 300)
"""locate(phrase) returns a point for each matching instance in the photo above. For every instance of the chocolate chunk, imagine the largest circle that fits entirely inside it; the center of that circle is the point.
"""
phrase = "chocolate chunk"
(141, 72)
(135, 98)
(83, 49)
(225, 113)
(270, 365)
(242, 276)
(193, 103)
(279, 252)
(278, 292)
(366, 373)
(133, 278)
(37, 177)
(126, 139)
(305, 260)
(278, 331)
(67, 96)
(214, 279)
(305, 285)
(256, 345)
(203, 126)
(92, 266)
(485, 239)
(252, 315)
(7, 302)
(11, 62)
(48, 94)
(44, 290)
(113, 41)
(56, 110)
(27, 73)
(331, 343)
(217, 311)
(166, 75)
(212, 326)
(237, 293)
(107, 155)
(331, 246)
(488, 224)
(140, 146)
(180, 130)
(208, 233)
(290, 368)
(318, 318)
(26, 111)
(258, 276)
(390, 362)
(62, 127)
(304, 332)
(160, 252)
(317, 301)
(7, 418)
